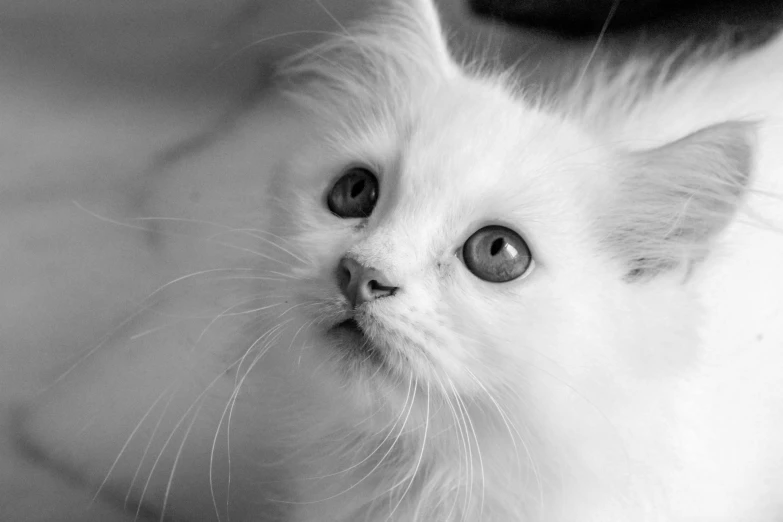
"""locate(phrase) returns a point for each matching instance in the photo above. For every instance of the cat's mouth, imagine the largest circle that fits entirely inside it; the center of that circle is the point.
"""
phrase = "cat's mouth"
(354, 341)
(349, 325)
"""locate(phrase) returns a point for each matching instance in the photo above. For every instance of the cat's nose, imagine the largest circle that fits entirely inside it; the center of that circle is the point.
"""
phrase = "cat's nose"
(360, 284)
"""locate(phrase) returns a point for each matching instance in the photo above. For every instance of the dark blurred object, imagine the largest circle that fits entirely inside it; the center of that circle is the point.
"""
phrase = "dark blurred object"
(584, 18)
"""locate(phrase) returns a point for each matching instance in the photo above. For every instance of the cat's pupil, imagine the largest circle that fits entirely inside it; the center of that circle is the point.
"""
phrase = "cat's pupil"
(496, 246)
(357, 189)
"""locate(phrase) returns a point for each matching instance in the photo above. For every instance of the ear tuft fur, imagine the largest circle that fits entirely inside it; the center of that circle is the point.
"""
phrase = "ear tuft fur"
(673, 200)
(373, 66)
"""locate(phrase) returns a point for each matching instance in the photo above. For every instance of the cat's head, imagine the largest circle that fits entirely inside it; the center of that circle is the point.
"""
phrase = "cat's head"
(467, 237)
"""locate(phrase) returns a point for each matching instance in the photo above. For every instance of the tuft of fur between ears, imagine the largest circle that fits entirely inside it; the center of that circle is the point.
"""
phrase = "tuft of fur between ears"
(369, 71)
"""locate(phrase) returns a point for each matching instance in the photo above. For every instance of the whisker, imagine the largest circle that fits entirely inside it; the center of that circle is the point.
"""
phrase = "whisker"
(383, 458)
(86, 354)
(469, 424)
(334, 18)
(173, 234)
(145, 453)
(365, 459)
(252, 232)
(147, 332)
(461, 441)
(225, 313)
(89, 352)
(176, 461)
(127, 443)
(503, 415)
(559, 380)
(420, 458)
(509, 427)
(274, 335)
(196, 402)
(256, 236)
(261, 41)
(229, 410)
(604, 28)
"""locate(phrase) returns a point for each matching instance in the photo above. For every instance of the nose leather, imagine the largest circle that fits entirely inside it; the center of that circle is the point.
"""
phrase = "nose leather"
(360, 284)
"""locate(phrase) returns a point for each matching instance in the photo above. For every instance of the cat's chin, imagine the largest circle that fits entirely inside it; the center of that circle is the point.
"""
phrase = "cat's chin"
(361, 356)
(374, 374)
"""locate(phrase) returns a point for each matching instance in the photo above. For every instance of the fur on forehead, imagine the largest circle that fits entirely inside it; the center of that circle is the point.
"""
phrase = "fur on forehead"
(393, 76)
(367, 73)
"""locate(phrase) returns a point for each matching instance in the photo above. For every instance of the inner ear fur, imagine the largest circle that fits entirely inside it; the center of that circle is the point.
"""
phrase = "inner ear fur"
(673, 200)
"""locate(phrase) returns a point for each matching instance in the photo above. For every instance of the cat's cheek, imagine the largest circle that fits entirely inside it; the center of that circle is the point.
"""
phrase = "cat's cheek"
(419, 338)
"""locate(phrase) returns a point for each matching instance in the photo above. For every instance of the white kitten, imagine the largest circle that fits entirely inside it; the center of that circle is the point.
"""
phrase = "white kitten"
(453, 301)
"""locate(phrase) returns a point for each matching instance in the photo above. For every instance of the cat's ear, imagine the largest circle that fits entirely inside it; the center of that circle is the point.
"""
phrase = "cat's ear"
(674, 199)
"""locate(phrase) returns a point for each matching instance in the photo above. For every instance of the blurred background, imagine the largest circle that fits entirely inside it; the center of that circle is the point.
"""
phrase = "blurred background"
(584, 18)
(91, 91)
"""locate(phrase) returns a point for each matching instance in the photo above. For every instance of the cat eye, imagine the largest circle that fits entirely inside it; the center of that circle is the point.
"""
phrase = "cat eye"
(354, 194)
(496, 254)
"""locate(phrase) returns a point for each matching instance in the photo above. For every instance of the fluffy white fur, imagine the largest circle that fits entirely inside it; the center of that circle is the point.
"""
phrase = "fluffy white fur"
(631, 376)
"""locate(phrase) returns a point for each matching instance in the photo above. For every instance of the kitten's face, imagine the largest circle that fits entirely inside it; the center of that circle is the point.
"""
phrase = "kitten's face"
(590, 297)
(465, 156)
(443, 236)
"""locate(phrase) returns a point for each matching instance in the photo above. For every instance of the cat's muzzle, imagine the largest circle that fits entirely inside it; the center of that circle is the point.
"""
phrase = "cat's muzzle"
(351, 339)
